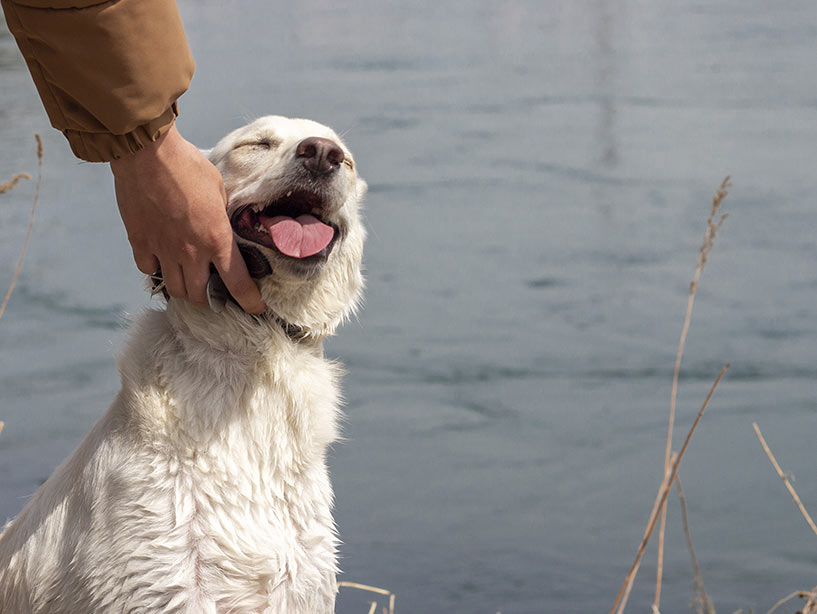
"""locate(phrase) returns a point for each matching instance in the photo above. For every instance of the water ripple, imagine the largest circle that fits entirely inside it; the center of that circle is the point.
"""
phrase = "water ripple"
(109, 317)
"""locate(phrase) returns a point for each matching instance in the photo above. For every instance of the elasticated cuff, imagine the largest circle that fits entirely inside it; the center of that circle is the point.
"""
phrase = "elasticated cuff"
(104, 147)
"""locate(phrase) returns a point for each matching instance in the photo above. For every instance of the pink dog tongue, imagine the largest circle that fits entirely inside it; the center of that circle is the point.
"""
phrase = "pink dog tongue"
(298, 237)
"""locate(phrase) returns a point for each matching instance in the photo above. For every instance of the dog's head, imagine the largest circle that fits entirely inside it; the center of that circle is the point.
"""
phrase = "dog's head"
(293, 199)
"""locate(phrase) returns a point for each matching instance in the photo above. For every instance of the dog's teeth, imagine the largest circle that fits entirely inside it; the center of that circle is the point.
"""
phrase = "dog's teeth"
(289, 193)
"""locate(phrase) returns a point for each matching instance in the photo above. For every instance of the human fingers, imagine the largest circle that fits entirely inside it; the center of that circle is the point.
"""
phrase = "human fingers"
(195, 276)
(174, 280)
(145, 261)
(234, 274)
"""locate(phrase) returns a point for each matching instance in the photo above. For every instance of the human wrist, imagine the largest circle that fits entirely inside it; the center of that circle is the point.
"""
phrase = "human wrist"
(149, 154)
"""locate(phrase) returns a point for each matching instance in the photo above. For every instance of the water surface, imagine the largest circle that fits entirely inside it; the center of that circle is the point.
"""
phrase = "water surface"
(540, 174)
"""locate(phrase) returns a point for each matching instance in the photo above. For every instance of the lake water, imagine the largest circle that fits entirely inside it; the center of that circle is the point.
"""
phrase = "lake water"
(540, 177)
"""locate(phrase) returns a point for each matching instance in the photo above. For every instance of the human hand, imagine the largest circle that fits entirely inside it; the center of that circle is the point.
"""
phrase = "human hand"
(172, 202)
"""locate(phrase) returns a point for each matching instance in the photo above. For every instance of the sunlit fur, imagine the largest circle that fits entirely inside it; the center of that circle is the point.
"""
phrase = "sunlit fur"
(204, 488)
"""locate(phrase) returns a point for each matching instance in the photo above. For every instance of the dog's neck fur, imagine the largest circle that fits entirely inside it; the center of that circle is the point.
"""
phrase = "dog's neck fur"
(221, 355)
(207, 380)
(238, 331)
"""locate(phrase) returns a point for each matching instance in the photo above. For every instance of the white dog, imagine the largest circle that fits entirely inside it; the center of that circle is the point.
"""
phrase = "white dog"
(204, 488)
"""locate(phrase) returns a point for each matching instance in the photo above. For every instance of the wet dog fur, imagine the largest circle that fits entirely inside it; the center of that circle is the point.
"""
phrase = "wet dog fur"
(204, 488)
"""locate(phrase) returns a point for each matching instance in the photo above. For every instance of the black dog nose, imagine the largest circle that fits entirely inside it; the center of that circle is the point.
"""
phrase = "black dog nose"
(320, 156)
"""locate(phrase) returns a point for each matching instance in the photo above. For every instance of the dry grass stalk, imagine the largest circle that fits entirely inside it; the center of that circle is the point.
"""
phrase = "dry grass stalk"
(8, 185)
(372, 589)
(30, 225)
(625, 596)
(713, 224)
(660, 501)
(700, 600)
(810, 606)
(785, 479)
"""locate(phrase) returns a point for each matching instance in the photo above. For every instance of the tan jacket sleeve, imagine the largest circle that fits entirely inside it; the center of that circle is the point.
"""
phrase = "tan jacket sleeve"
(108, 72)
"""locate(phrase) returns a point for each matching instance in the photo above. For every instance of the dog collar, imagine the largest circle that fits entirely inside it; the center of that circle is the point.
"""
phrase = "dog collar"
(218, 295)
(257, 265)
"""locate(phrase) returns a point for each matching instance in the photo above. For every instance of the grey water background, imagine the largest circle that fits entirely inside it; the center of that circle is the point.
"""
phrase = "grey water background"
(540, 174)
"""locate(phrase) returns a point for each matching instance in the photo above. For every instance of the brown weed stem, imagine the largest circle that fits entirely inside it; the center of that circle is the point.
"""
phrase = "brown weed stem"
(712, 227)
(660, 500)
(785, 479)
(30, 225)
(701, 601)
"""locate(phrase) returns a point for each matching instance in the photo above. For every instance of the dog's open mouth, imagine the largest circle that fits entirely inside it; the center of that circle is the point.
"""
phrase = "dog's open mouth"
(291, 225)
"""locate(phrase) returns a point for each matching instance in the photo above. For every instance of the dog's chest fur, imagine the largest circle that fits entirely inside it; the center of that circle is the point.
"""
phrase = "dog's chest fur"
(217, 496)
(244, 464)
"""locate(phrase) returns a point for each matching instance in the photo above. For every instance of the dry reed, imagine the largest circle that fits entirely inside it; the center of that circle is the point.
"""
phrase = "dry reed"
(713, 224)
(671, 461)
(8, 185)
(661, 499)
(785, 479)
(372, 589)
(810, 607)
(700, 600)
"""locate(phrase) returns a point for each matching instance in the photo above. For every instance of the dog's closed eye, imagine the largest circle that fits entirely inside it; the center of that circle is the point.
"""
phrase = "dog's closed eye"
(260, 143)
